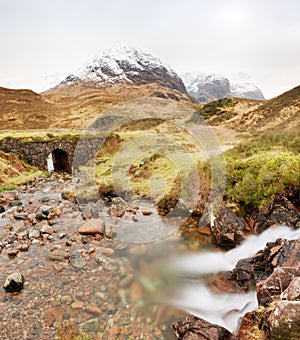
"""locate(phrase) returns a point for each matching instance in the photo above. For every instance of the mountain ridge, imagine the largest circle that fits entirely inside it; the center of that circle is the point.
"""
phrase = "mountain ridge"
(125, 65)
(207, 87)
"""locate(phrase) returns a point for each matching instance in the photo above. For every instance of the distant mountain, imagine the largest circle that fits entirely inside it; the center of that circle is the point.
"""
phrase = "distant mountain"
(116, 76)
(206, 87)
(125, 65)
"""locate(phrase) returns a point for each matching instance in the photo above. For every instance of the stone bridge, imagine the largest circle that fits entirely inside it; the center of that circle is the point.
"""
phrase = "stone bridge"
(65, 154)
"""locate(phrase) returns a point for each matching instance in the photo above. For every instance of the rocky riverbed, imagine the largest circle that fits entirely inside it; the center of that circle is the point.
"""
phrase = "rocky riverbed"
(80, 277)
(77, 276)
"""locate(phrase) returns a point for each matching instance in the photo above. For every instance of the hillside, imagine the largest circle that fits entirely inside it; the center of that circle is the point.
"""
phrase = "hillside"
(72, 106)
(13, 171)
(25, 109)
(274, 115)
(114, 77)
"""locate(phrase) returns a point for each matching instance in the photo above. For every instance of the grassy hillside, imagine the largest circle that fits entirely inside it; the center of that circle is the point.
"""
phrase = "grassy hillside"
(72, 106)
(14, 171)
(244, 115)
(261, 169)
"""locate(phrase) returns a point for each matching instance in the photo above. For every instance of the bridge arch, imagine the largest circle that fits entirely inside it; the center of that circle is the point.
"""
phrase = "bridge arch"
(59, 161)
(62, 151)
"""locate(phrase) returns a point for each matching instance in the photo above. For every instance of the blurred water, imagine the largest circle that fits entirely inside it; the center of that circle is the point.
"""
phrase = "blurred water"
(191, 293)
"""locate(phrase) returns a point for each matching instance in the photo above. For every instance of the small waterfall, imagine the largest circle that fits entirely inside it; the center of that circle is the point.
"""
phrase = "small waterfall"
(194, 297)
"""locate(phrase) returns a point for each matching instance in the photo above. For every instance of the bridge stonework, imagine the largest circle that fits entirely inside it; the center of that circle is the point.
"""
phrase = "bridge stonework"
(36, 152)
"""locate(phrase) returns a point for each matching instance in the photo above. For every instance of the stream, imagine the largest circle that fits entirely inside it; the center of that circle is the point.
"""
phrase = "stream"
(105, 287)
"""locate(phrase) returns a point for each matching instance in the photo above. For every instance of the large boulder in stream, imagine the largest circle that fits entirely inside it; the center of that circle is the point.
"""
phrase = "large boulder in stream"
(282, 253)
(228, 228)
(193, 328)
(281, 211)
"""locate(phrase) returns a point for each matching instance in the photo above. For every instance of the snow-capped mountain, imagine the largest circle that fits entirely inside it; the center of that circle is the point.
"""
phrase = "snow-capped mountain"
(125, 64)
(241, 86)
(206, 87)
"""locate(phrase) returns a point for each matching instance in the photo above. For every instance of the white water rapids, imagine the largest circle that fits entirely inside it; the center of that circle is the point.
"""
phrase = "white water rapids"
(223, 309)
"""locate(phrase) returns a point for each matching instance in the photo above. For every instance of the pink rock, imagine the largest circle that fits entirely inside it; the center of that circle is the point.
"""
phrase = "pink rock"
(284, 320)
(292, 292)
(92, 227)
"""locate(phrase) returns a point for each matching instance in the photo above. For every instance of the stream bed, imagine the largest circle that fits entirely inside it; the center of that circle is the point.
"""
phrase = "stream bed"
(103, 286)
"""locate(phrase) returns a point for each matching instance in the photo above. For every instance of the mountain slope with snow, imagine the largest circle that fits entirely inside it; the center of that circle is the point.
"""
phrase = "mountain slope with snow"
(206, 87)
(125, 65)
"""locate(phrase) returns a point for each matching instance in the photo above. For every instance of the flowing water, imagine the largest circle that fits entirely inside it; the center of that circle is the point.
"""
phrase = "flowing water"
(223, 309)
(122, 292)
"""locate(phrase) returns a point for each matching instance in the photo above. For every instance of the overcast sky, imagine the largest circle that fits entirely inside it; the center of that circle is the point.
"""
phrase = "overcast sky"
(259, 37)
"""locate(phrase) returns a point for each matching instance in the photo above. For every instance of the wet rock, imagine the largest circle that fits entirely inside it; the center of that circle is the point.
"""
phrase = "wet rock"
(77, 305)
(193, 328)
(31, 218)
(58, 255)
(46, 229)
(93, 210)
(34, 234)
(20, 216)
(61, 235)
(275, 284)
(111, 232)
(90, 326)
(12, 252)
(43, 212)
(249, 329)
(282, 211)
(119, 207)
(9, 195)
(77, 261)
(284, 321)
(224, 282)
(282, 253)
(92, 227)
(227, 229)
(14, 282)
(53, 314)
(92, 308)
(24, 247)
(147, 212)
(292, 293)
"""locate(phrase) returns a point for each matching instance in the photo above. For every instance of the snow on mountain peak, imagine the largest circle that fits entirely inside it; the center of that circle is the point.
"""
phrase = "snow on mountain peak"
(242, 86)
(206, 87)
(125, 64)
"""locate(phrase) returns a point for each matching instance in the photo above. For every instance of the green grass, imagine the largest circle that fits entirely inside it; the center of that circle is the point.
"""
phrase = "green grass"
(13, 172)
(261, 169)
(144, 164)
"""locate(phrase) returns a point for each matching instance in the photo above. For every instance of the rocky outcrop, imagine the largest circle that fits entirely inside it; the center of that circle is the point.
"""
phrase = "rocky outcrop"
(281, 211)
(274, 273)
(228, 229)
(278, 282)
(193, 328)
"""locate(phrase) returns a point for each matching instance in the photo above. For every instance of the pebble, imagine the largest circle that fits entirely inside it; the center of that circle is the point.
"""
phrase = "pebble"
(34, 234)
(92, 227)
(77, 304)
(12, 252)
(14, 282)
